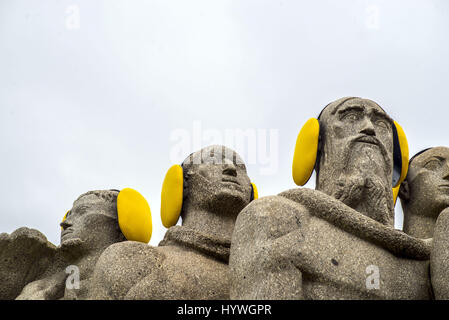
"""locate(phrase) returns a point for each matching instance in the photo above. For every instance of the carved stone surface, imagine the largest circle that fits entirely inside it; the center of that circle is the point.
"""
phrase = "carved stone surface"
(90, 227)
(192, 260)
(25, 254)
(425, 192)
(425, 199)
(336, 242)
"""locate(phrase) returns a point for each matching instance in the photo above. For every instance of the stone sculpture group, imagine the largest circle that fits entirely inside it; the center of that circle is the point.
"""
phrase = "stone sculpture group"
(336, 241)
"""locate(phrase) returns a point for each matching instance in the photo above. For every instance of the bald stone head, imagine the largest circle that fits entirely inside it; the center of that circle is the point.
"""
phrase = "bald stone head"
(356, 156)
(216, 189)
(425, 191)
(216, 176)
(92, 223)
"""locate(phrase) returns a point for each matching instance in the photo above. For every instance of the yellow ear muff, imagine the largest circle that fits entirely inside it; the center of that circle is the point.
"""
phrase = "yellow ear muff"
(134, 216)
(404, 153)
(65, 217)
(172, 195)
(255, 193)
(395, 194)
(306, 150)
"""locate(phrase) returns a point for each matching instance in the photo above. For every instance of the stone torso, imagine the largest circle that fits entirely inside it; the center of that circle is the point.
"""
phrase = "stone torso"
(338, 265)
(185, 266)
(309, 246)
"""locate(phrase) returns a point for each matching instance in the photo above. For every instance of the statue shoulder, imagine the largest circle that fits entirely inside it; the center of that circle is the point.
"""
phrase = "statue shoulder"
(121, 266)
(439, 257)
(25, 254)
(267, 244)
(277, 210)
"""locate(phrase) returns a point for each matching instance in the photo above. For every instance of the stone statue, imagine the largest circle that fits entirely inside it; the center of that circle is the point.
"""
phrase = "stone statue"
(425, 200)
(89, 228)
(425, 192)
(338, 241)
(25, 255)
(191, 262)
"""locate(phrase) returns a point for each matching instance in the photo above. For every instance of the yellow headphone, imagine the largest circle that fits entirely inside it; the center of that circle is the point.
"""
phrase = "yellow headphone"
(172, 195)
(307, 150)
(134, 216)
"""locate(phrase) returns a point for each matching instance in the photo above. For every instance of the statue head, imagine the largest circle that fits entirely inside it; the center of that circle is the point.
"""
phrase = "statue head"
(425, 191)
(92, 223)
(215, 180)
(356, 156)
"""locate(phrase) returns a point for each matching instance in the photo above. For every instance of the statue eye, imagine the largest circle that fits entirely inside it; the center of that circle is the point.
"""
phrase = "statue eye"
(433, 164)
(382, 123)
(352, 116)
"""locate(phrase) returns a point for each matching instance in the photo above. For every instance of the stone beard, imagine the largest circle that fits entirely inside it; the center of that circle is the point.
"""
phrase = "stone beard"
(357, 170)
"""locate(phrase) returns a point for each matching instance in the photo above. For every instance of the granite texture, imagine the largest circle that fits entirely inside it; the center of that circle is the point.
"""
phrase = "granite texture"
(336, 242)
(425, 192)
(192, 260)
(25, 254)
(90, 227)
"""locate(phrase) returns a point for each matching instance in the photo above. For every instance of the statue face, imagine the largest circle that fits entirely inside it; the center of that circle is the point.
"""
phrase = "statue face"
(92, 221)
(356, 161)
(428, 180)
(360, 134)
(219, 177)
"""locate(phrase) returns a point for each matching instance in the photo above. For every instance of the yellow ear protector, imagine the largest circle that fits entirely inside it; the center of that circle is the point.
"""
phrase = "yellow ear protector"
(172, 195)
(306, 154)
(134, 216)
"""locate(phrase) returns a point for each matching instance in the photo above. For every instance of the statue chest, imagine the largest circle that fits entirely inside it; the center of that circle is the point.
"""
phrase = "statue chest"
(340, 265)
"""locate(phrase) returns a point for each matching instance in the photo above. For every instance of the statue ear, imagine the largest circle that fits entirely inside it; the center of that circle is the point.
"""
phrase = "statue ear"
(64, 218)
(134, 216)
(306, 151)
(400, 155)
(172, 196)
(254, 192)
(404, 191)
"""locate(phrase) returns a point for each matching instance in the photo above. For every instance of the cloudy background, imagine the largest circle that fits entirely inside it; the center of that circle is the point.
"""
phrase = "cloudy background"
(98, 94)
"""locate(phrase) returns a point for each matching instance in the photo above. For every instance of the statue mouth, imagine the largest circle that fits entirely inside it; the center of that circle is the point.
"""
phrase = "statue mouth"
(368, 140)
(231, 180)
(66, 232)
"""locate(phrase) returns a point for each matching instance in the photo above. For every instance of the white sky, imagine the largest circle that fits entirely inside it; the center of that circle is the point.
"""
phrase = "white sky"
(91, 91)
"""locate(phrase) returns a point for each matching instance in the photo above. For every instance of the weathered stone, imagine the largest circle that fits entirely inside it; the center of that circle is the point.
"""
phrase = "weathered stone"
(425, 192)
(425, 199)
(336, 242)
(192, 260)
(25, 254)
(90, 227)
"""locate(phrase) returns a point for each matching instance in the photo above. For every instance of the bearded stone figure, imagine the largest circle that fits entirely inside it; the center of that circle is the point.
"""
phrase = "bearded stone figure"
(338, 241)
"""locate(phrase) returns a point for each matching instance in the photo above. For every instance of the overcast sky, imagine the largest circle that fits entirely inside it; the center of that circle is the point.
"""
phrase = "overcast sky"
(106, 94)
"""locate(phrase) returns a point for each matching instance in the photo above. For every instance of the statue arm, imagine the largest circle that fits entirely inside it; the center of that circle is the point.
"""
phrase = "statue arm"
(120, 267)
(439, 257)
(266, 255)
(50, 288)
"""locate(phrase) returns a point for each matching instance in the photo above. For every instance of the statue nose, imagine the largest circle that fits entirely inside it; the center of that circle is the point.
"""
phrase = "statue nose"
(446, 170)
(368, 128)
(64, 224)
(230, 170)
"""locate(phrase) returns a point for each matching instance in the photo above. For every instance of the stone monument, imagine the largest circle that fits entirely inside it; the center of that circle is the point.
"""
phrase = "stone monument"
(191, 262)
(89, 228)
(425, 192)
(338, 241)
